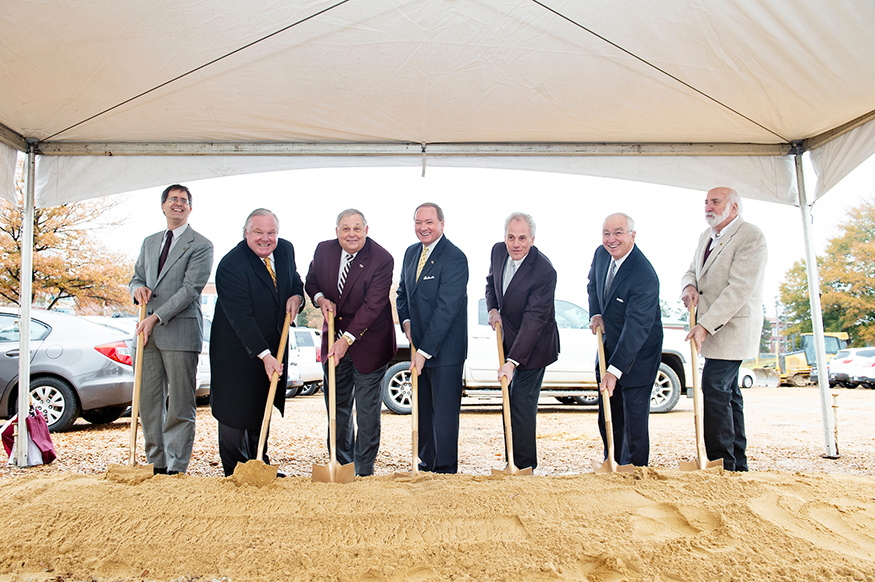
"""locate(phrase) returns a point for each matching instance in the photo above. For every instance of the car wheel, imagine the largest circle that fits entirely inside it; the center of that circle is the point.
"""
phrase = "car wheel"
(588, 399)
(746, 382)
(56, 400)
(310, 388)
(666, 390)
(103, 415)
(566, 399)
(397, 388)
(293, 391)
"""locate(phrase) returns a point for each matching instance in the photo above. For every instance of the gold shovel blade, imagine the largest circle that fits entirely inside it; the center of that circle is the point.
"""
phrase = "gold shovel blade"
(607, 467)
(339, 474)
(694, 465)
(507, 471)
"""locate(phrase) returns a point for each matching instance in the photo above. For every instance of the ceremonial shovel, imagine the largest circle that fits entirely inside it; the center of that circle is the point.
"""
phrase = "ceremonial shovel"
(505, 407)
(610, 464)
(132, 469)
(266, 472)
(702, 461)
(333, 472)
(414, 419)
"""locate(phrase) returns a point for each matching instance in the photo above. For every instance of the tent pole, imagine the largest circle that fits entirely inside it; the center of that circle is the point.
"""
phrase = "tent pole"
(24, 300)
(816, 313)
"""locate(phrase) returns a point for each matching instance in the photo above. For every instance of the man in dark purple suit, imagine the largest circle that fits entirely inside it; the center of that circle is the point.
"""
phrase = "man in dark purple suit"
(351, 276)
(520, 294)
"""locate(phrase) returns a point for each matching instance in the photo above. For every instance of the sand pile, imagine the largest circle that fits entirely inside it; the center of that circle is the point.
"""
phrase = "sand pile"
(661, 525)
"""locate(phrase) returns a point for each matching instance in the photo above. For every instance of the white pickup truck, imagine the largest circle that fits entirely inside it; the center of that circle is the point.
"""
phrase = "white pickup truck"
(571, 379)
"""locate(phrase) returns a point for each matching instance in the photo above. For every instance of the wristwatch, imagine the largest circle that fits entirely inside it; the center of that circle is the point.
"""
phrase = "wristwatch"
(348, 339)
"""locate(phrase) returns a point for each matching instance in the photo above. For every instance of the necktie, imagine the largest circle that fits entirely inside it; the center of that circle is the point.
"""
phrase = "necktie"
(509, 272)
(343, 274)
(611, 274)
(707, 252)
(165, 250)
(270, 270)
(421, 261)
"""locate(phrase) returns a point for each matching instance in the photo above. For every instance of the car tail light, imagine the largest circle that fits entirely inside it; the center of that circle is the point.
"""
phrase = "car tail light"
(319, 354)
(117, 352)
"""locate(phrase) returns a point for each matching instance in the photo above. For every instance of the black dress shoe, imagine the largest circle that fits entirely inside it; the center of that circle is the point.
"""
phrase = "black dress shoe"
(159, 470)
(172, 472)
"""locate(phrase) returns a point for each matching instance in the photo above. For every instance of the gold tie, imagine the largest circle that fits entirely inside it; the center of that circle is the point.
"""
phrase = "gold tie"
(421, 261)
(270, 270)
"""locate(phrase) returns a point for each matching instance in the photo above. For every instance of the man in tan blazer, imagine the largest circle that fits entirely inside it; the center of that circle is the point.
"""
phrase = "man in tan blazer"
(725, 282)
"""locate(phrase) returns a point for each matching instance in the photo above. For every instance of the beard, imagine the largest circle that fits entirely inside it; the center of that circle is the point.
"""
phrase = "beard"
(716, 219)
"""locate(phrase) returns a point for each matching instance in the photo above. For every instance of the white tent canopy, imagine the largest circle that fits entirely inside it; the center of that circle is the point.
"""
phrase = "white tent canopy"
(110, 96)
(478, 83)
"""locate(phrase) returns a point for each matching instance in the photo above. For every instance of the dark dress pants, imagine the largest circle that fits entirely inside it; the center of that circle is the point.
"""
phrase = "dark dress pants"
(630, 413)
(440, 398)
(365, 391)
(724, 414)
(525, 389)
(238, 445)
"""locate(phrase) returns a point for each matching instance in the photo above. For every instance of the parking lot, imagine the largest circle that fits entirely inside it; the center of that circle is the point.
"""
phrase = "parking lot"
(784, 427)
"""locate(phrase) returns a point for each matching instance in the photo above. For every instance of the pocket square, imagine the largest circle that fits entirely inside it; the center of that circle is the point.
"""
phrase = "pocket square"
(620, 300)
(428, 277)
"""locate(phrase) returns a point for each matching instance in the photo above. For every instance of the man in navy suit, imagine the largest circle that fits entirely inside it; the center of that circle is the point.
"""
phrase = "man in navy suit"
(520, 294)
(432, 307)
(351, 276)
(257, 283)
(624, 302)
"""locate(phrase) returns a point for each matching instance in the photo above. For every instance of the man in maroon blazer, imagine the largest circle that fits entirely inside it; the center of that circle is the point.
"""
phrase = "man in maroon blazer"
(351, 276)
(520, 294)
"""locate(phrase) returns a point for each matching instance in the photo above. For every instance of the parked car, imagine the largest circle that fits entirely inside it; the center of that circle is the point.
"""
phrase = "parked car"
(846, 364)
(746, 377)
(305, 352)
(571, 379)
(861, 371)
(78, 368)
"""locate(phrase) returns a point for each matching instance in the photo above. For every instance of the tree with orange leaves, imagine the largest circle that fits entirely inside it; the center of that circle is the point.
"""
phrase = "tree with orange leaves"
(68, 263)
(847, 273)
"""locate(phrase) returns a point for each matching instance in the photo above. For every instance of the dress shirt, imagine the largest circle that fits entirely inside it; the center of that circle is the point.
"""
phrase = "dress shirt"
(428, 249)
(619, 262)
(505, 283)
(350, 339)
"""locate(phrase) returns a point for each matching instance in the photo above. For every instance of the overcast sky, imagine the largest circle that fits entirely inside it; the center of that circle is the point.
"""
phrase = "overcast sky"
(568, 210)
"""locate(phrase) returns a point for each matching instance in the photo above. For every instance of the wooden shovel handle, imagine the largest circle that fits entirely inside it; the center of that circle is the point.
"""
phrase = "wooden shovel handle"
(138, 381)
(268, 406)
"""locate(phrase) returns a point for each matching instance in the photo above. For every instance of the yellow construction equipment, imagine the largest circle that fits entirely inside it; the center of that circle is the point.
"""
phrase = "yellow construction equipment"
(794, 368)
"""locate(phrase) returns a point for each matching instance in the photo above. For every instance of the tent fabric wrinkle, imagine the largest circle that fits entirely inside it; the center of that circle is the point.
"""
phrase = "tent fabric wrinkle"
(434, 72)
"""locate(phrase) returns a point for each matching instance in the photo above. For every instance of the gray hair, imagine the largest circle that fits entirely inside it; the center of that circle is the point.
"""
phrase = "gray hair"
(527, 218)
(438, 209)
(629, 221)
(260, 212)
(351, 212)
(734, 198)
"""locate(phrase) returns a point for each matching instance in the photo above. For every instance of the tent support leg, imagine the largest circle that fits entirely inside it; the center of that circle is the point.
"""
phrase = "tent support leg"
(816, 313)
(24, 299)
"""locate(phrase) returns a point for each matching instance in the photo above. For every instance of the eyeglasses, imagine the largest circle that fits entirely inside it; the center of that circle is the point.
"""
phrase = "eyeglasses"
(616, 233)
(175, 200)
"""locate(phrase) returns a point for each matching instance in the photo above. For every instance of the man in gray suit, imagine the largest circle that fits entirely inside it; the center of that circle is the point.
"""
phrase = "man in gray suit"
(172, 269)
(725, 281)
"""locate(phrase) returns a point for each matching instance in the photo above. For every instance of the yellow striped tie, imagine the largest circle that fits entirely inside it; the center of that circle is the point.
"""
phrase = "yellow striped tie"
(421, 261)
(270, 270)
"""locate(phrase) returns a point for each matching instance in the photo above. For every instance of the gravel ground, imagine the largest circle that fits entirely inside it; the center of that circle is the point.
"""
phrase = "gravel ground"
(785, 433)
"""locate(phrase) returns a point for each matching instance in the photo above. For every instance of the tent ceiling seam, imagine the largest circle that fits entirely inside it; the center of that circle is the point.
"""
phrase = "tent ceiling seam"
(199, 67)
(662, 71)
(410, 149)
